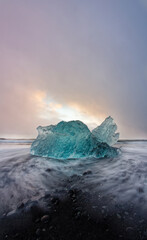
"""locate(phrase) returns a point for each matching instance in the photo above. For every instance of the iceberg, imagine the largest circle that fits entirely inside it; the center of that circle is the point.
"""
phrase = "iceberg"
(73, 139)
(106, 132)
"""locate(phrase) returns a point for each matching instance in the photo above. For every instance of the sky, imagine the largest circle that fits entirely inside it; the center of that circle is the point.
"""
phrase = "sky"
(73, 59)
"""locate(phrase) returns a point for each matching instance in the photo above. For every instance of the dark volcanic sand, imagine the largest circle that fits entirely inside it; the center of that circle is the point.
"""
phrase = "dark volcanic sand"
(71, 217)
(95, 199)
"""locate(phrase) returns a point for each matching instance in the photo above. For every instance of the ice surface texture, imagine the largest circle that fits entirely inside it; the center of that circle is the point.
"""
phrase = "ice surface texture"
(74, 140)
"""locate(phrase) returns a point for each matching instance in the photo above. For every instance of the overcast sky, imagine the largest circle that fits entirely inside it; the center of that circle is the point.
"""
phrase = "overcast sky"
(73, 59)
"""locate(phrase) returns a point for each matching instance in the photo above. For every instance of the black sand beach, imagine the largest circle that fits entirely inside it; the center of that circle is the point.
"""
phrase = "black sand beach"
(96, 199)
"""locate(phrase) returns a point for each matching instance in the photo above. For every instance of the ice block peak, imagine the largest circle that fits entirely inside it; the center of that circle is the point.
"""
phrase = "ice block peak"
(106, 132)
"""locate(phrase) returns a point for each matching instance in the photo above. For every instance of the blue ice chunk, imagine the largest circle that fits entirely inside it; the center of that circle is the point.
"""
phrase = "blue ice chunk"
(106, 132)
(68, 140)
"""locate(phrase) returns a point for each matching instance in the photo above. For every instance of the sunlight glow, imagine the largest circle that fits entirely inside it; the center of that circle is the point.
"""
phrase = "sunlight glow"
(49, 109)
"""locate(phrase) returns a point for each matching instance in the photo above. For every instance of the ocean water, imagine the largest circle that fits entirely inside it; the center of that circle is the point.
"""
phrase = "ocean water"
(114, 182)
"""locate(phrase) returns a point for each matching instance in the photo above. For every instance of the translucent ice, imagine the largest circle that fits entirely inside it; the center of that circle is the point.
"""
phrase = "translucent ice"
(69, 140)
(106, 132)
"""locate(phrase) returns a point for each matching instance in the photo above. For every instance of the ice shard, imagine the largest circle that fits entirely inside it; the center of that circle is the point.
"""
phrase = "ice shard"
(68, 140)
(106, 132)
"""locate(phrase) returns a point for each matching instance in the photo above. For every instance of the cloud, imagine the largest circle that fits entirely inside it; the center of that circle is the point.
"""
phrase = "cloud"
(72, 60)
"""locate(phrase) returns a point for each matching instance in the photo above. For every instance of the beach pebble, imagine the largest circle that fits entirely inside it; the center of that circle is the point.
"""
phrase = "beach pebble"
(103, 211)
(38, 232)
(37, 220)
(78, 215)
(120, 236)
(118, 215)
(73, 196)
(141, 221)
(47, 194)
(87, 172)
(140, 190)
(11, 213)
(20, 205)
(55, 201)
(145, 233)
(48, 170)
(104, 207)
(16, 235)
(129, 229)
(45, 218)
(50, 228)
(72, 193)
